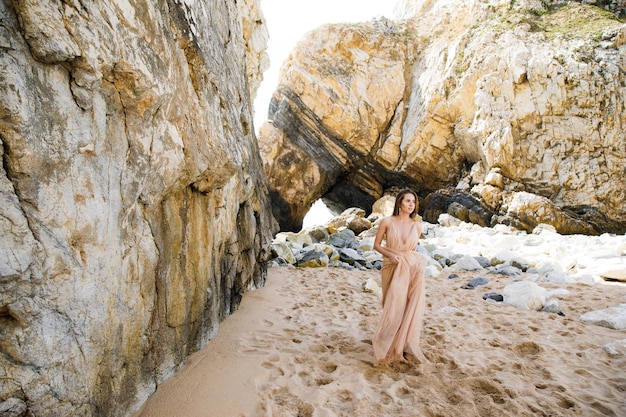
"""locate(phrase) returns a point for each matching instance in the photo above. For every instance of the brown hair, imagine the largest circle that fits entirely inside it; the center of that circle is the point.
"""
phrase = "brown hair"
(400, 196)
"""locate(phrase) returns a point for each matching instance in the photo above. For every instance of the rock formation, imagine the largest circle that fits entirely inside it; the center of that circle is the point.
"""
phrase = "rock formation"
(134, 206)
(516, 107)
(347, 241)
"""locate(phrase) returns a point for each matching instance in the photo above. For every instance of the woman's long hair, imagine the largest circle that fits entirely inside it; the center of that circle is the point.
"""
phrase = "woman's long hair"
(400, 196)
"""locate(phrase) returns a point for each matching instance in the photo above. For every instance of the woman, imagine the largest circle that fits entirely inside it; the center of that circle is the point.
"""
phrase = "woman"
(403, 283)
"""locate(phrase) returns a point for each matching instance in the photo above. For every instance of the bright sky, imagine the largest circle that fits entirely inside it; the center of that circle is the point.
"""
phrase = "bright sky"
(288, 21)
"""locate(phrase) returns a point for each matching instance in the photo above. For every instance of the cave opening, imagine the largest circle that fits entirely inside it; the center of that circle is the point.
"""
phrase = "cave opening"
(318, 214)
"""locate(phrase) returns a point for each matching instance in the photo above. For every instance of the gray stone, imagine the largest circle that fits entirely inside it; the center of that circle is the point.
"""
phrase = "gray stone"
(350, 256)
(483, 261)
(494, 296)
(313, 259)
(343, 239)
(552, 306)
(466, 263)
(476, 282)
(507, 270)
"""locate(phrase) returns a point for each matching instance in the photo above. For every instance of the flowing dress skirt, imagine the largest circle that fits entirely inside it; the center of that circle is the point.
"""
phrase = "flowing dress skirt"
(403, 287)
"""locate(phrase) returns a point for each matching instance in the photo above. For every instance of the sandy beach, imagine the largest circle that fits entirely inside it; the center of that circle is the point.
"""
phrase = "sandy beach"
(301, 346)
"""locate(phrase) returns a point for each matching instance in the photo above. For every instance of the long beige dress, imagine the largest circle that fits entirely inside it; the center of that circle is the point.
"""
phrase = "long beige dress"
(403, 286)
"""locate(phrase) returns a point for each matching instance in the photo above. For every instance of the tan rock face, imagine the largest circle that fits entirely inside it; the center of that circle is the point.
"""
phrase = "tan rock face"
(331, 112)
(470, 89)
(134, 205)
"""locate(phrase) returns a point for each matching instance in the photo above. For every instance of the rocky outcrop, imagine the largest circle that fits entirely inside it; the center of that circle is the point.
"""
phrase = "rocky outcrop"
(329, 118)
(456, 246)
(488, 100)
(134, 208)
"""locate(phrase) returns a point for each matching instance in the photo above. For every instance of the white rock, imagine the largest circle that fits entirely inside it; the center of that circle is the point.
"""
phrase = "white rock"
(612, 317)
(447, 220)
(433, 270)
(544, 229)
(302, 238)
(586, 279)
(615, 348)
(372, 286)
(548, 267)
(451, 310)
(507, 242)
(502, 228)
(466, 263)
(505, 256)
(526, 295)
(557, 277)
(533, 240)
(372, 256)
(613, 268)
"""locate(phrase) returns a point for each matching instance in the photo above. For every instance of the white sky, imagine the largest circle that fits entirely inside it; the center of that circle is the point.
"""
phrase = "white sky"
(288, 21)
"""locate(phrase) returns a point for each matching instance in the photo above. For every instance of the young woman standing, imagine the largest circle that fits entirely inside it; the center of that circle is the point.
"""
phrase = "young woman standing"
(403, 283)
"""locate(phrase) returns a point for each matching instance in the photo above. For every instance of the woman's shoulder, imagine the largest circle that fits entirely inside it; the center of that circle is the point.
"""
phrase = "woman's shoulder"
(385, 220)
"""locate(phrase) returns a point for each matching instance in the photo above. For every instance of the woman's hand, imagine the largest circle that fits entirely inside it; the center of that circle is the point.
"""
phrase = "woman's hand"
(395, 259)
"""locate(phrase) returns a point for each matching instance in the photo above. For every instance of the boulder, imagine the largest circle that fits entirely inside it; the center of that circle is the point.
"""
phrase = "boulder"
(612, 317)
(313, 259)
(490, 122)
(351, 256)
(343, 239)
(525, 295)
(384, 205)
(466, 263)
(283, 250)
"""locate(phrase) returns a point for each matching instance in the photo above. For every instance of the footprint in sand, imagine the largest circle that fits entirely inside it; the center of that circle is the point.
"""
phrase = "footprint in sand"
(484, 386)
(329, 368)
(261, 342)
(323, 381)
(405, 394)
(319, 348)
(274, 369)
(527, 348)
(568, 403)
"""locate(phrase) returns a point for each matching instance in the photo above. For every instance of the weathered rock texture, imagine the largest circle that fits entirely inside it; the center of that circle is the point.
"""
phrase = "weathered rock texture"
(134, 208)
(491, 98)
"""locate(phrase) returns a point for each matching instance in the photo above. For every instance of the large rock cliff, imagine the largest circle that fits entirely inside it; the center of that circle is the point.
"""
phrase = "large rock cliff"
(134, 208)
(494, 111)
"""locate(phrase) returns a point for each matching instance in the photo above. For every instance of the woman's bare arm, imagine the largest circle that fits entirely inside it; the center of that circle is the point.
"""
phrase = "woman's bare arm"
(382, 230)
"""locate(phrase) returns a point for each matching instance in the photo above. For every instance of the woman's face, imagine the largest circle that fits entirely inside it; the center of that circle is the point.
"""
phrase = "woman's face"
(407, 204)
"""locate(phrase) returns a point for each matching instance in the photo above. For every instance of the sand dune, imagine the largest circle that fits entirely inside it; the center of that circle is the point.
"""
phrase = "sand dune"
(301, 346)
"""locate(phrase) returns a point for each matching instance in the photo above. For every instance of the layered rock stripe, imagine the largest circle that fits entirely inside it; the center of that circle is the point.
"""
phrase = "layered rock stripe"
(518, 107)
